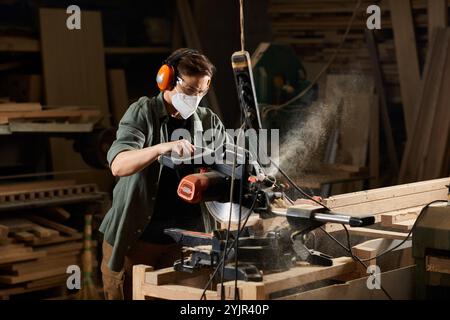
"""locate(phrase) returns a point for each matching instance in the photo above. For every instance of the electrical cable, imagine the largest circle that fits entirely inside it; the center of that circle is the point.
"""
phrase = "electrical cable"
(233, 174)
(297, 187)
(349, 250)
(410, 232)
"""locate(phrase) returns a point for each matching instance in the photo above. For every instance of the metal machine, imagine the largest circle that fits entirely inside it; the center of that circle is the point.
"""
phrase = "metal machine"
(431, 251)
(243, 254)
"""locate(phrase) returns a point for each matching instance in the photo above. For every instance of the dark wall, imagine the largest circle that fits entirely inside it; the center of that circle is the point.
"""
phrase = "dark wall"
(219, 30)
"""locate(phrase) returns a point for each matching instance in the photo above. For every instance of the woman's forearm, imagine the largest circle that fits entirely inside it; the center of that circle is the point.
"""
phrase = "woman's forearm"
(129, 162)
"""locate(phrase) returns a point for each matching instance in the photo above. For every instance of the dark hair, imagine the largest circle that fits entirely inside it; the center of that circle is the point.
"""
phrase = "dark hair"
(190, 62)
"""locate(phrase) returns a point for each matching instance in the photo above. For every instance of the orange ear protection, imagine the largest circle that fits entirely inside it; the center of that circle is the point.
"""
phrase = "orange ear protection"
(167, 74)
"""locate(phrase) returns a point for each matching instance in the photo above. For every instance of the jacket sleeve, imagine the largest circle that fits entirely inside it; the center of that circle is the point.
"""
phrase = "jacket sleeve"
(134, 130)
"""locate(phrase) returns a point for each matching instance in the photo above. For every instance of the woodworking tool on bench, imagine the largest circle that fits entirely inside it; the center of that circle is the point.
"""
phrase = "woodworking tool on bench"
(247, 256)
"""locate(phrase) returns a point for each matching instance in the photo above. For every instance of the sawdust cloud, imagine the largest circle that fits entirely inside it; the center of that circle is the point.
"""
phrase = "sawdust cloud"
(303, 143)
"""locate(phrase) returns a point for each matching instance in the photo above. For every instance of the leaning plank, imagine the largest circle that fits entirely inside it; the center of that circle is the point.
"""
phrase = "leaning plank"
(53, 224)
(416, 145)
(407, 57)
(437, 144)
(437, 15)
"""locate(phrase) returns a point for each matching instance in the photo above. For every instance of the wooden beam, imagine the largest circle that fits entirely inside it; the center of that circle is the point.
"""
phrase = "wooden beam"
(193, 41)
(418, 140)
(118, 94)
(20, 107)
(139, 272)
(381, 92)
(437, 16)
(407, 58)
(387, 193)
(374, 233)
(399, 284)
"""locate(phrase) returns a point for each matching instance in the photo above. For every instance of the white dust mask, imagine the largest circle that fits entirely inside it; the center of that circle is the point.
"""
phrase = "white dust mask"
(185, 104)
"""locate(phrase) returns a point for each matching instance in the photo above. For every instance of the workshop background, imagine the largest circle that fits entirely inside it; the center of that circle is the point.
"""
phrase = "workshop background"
(377, 116)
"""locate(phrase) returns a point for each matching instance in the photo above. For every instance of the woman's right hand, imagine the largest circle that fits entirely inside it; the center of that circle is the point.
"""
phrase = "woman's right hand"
(182, 147)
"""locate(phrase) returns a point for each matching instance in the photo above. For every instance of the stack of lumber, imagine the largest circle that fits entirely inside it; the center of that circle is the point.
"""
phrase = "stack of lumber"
(426, 155)
(395, 207)
(36, 246)
(315, 29)
(41, 193)
(35, 253)
(31, 117)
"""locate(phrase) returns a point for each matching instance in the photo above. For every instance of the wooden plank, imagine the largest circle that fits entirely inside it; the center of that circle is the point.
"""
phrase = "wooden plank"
(4, 230)
(118, 94)
(19, 44)
(61, 248)
(50, 127)
(34, 186)
(381, 92)
(168, 275)
(58, 213)
(42, 232)
(19, 107)
(51, 281)
(404, 226)
(437, 15)
(80, 115)
(438, 264)
(423, 120)
(388, 219)
(9, 279)
(22, 257)
(34, 267)
(375, 233)
(139, 276)
(23, 236)
(193, 41)
(81, 82)
(17, 224)
(302, 275)
(393, 204)
(399, 284)
(52, 224)
(175, 292)
(374, 145)
(407, 57)
(387, 193)
(438, 142)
